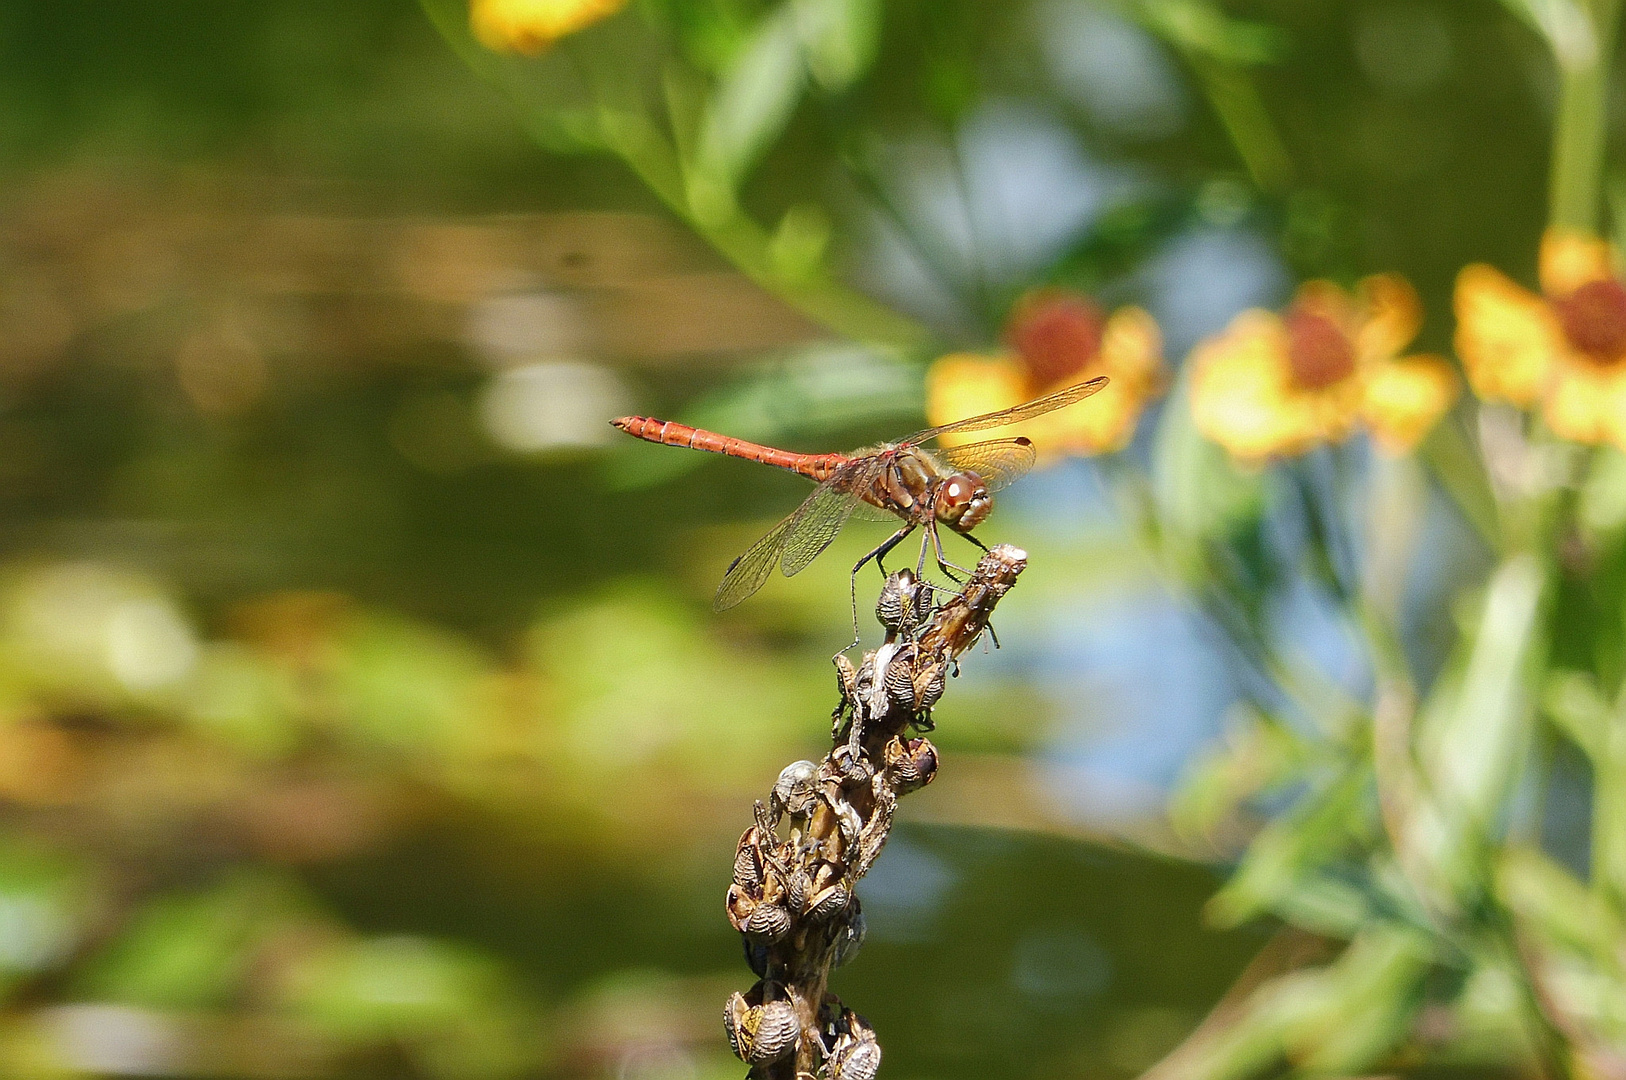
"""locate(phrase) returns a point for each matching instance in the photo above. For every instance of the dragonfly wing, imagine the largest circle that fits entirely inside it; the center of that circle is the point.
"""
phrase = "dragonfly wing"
(1016, 413)
(747, 573)
(815, 524)
(1000, 462)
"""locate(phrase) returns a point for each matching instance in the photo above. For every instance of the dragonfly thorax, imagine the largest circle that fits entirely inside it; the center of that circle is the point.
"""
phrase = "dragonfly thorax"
(962, 501)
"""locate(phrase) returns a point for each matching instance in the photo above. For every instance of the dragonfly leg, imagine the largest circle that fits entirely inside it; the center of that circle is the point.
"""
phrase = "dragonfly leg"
(953, 572)
(974, 540)
(878, 554)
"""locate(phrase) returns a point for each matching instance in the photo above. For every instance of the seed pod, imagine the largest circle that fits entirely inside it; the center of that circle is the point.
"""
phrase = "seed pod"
(910, 763)
(799, 892)
(776, 1032)
(929, 682)
(846, 677)
(851, 766)
(769, 921)
(740, 906)
(827, 904)
(849, 936)
(748, 861)
(735, 1011)
(898, 678)
(904, 603)
(760, 1033)
(855, 1059)
(796, 789)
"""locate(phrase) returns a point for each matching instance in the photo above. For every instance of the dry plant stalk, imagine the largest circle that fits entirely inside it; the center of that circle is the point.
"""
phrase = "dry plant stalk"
(793, 896)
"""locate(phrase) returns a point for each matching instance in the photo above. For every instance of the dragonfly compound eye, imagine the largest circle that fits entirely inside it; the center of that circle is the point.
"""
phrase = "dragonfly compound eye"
(963, 502)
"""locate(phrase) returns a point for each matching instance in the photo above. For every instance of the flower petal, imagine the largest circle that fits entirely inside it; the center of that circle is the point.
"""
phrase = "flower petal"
(530, 26)
(1132, 350)
(965, 384)
(1393, 316)
(1507, 336)
(1585, 403)
(1329, 300)
(1570, 259)
(1241, 392)
(1404, 399)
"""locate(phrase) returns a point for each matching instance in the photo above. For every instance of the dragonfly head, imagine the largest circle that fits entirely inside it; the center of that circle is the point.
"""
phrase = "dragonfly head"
(962, 501)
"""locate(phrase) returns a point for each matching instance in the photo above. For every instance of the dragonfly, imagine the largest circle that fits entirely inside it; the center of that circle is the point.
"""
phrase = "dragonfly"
(925, 488)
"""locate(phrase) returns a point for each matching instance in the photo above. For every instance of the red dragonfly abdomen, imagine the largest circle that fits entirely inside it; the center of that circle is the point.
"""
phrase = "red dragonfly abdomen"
(670, 433)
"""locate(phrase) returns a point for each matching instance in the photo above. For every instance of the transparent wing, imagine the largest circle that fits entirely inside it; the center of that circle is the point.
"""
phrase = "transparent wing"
(815, 524)
(747, 573)
(1000, 462)
(1016, 413)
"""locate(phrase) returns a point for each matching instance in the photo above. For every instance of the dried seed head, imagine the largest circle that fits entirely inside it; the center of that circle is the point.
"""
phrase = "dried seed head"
(904, 604)
(855, 1059)
(796, 789)
(774, 1031)
(799, 892)
(851, 765)
(910, 763)
(857, 1055)
(827, 903)
(748, 861)
(734, 1013)
(929, 683)
(769, 921)
(760, 1032)
(899, 678)
(740, 906)
(846, 676)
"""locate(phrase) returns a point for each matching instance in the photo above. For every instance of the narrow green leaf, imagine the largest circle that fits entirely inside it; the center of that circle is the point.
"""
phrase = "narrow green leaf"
(754, 100)
(1571, 699)
(839, 38)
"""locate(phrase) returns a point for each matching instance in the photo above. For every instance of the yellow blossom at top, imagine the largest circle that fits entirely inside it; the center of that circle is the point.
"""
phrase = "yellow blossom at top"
(1280, 384)
(530, 26)
(1057, 339)
(1563, 350)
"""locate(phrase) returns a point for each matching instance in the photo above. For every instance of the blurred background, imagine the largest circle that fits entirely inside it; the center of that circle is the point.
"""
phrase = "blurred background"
(362, 710)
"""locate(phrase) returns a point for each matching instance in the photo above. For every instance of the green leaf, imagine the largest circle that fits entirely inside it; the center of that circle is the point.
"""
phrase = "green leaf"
(1571, 699)
(1288, 853)
(193, 950)
(1545, 896)
(1202, 29)
(1368, 997)
(1200, 493)
(1563, 24)
(1473, 730)
(839, 38)
(753, 101)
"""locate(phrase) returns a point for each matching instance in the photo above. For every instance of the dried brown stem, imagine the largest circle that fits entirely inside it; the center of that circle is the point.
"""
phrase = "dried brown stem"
(793, 895)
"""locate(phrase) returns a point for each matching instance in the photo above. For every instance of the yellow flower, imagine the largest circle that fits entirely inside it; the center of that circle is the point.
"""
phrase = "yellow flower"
(1057, 339)
(1564, 350)
(530, 26)
(1273, 385)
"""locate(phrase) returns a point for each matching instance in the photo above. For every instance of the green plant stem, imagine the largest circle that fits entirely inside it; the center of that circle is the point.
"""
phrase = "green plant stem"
(746, 244)
(1241, 112)
(1579, 132)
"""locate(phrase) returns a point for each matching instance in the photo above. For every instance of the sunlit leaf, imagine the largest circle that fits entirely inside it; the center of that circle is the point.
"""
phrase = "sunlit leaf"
(839, 37)
(754, 99)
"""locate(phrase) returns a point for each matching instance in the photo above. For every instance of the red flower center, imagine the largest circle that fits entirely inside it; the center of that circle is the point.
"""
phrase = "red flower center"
(1594, 320)
(1318, 351)
(1056, 334)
